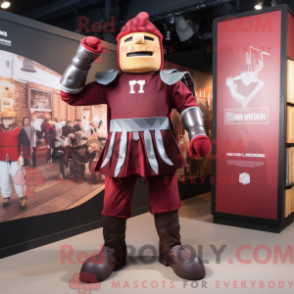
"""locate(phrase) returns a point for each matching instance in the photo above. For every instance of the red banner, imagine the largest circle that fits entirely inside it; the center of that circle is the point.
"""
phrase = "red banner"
(248, 95)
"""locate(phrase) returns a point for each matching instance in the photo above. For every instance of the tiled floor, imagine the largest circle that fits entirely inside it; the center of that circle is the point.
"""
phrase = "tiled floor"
(256, 267)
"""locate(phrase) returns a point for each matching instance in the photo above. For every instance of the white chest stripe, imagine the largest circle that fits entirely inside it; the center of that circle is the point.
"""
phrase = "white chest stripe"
(132, 83)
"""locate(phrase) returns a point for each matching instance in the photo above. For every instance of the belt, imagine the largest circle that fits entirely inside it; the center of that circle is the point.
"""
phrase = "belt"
(136, 125)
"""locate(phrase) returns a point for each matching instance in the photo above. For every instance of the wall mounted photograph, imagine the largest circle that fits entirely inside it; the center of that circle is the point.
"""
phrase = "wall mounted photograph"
(65, 142)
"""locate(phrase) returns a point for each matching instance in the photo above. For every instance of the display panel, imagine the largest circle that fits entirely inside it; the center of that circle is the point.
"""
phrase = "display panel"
(247, 126)
(44, 52)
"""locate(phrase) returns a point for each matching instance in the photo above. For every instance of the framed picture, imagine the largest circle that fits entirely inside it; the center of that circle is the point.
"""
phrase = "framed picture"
(40, 100)
(6, 103)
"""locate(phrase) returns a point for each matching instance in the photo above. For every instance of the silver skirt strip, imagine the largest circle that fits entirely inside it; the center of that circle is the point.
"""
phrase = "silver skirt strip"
(150, 151)
(109, 152)
(139, 125)
(160, 148)
(122, 153)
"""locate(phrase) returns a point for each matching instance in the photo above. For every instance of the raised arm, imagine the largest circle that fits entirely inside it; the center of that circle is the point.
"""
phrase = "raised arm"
(92, 94)
(73, 89)
(192, 118)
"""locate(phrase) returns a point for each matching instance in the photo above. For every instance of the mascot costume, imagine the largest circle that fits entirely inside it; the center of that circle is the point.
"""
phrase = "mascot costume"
(141, 142)
(14, 153)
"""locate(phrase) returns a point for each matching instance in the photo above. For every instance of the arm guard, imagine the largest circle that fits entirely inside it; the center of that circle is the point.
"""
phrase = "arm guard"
(192, 119)
(74, 77)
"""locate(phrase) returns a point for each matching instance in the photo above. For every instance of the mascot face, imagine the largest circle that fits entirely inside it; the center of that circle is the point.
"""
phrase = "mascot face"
(8, 117)
(7, 121)
(139, 52)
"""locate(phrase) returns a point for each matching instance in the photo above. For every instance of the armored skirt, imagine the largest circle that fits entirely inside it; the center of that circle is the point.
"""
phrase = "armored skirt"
(141, 140)
(141, 149)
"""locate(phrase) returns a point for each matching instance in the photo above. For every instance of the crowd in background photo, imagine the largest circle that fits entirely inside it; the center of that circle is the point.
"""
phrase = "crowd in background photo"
(69, 143)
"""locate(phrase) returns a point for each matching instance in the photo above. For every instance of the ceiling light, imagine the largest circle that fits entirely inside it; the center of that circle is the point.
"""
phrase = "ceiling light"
(167, 35)
(170, 18)
(167, 32)
(183, 29)
(5, 4)
(258, 5)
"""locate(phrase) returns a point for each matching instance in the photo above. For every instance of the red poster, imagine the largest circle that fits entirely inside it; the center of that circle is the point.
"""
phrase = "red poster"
(248, 95)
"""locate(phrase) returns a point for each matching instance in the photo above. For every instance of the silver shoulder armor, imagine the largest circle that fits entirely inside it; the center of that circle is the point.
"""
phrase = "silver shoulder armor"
(192, 119)
(105, 78)
(74, 77)
(172, 76)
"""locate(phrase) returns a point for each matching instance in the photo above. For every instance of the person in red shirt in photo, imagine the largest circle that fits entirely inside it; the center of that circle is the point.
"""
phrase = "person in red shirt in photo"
(141, 143)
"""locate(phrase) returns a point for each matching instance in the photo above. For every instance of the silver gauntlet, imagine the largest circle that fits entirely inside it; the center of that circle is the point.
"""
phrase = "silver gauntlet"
(74, 77)
(192, 119)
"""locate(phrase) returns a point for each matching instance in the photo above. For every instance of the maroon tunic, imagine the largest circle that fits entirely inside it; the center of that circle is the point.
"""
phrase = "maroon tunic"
(153, 99)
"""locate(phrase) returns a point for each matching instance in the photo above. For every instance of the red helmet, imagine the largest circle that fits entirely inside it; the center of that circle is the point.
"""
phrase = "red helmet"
(140, 23)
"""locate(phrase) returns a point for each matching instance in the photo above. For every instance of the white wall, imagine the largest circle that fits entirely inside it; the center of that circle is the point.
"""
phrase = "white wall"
(39, 77)
(6, 64)
(10, 66)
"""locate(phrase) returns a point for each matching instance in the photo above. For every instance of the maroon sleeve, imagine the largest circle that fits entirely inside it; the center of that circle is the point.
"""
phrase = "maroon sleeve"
(51, 129)
(182, 97)
(92, 94)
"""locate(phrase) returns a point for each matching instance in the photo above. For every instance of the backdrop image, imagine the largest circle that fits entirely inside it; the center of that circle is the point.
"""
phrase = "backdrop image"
(198, 167)
(65, 142)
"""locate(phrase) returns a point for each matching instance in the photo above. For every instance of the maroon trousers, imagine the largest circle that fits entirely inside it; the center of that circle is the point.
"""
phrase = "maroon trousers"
(163, 195)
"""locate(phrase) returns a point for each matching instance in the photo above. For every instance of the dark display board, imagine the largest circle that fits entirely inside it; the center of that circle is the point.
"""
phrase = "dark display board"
(33, 58)
(249, 125)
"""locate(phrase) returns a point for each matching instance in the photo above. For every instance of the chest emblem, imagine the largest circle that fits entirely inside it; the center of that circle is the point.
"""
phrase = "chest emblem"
(132, 83)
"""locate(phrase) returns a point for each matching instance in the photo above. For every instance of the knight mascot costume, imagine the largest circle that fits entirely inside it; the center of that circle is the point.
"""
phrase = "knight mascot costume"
(141, 142)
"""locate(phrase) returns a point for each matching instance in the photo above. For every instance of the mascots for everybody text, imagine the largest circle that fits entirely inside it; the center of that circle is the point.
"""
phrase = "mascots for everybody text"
(141, 142)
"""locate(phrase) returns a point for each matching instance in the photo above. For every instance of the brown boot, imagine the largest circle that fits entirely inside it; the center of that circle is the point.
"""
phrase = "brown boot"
(23, 202)
(171, 253)
(6, 201)
(113, 254)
